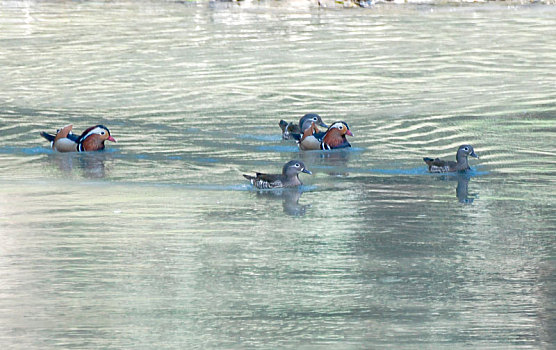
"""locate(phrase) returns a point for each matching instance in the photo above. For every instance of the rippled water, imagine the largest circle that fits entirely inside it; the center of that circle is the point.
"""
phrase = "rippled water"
(159, 242)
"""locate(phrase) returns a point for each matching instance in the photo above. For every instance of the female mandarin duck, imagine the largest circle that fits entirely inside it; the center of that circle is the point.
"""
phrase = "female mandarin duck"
(334, 137)
(288, 178)
(289, 129)
(446, 166)
(310, 139)
(91, 139)
(292, 130)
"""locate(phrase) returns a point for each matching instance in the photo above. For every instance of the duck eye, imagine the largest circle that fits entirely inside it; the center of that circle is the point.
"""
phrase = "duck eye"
(297, 165)
(466, 149)
(102, 132)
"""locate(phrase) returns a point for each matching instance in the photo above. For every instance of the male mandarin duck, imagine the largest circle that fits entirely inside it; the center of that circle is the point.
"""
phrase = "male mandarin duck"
(91, 139)
(446, 166)
(290, 130)
(334, 137)
(288, 178)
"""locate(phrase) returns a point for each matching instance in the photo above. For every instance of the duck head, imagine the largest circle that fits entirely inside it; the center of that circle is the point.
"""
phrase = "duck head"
(294, 167)
(93, 138)
(342, 127)
(307, 119)
(464, 151)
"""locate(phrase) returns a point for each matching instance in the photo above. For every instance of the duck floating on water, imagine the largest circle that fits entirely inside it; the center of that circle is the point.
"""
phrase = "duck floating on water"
(288, 178)
(310, 139)
(292, 130)
(288, 129)
(333, 138)
(447, 166)
(92, 139)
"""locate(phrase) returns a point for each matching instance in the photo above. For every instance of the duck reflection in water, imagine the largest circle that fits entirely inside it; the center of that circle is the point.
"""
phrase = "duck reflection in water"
(337, 159)
(91, 165)
(462, 188)
(290, 200)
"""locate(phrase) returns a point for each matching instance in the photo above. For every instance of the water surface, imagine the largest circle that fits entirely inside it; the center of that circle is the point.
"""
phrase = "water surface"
(159, 242)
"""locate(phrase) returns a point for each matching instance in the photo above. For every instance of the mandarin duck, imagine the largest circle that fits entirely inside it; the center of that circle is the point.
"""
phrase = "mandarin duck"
(310, 139)
(92, 139)
(289, 129)
(292, 130)
(288, 178)
(334, 137)
(447, 166)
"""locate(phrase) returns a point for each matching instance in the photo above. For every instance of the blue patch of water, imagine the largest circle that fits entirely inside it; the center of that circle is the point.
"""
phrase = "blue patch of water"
(300, 189)
(337, 150)
(33, 150)
(48, 150)
(37, 150)
(469, 173)
(414, 171)
(292, 148)
(207, 160)
(474, 172)
(421, 171)
(307, 188)
(281, 149)
(110, 150)
(242, 187)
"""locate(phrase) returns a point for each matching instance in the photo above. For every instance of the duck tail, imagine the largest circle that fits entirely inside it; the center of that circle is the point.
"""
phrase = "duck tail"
(248, 177)
(283, 125)
(297, 137)
(48, 136)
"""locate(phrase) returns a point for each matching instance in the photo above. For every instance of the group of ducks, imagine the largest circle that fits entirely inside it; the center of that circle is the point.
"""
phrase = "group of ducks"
(306, 134)
(309, 137)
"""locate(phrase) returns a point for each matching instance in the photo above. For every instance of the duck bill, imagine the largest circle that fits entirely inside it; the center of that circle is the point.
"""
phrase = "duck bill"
(349, 133)
(306, 171)
(110, 138)
(323, 125)
(473, 154)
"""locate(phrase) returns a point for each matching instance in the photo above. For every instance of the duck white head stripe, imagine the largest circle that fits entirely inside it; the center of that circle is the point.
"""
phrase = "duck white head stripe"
(97, 130)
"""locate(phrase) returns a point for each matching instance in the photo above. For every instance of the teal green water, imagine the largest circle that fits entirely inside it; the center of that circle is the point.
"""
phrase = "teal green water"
(159, 242)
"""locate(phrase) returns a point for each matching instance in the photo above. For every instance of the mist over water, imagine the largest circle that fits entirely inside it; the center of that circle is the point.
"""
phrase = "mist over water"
(159, 242)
